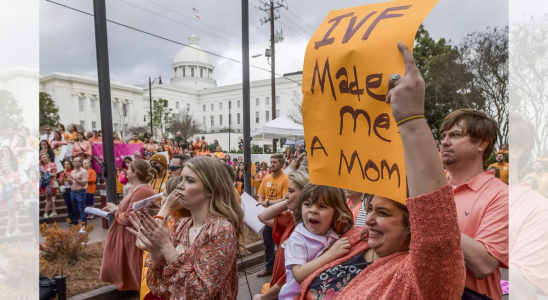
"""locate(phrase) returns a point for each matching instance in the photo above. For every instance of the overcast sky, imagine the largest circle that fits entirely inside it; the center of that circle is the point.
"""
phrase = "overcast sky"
(67, 42)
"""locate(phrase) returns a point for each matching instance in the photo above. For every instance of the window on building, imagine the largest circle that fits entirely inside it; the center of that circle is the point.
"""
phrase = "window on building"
(201, 73)
(267, 101)
(184, 72)
(256, 117)
(178, 117)
(115, 126)
(220, 120)
(81, 104)
(212, 107)
(188, 106)
(267, 116)
(204, 121)
(277, 99)
(220, 105)
(203, 106)
(124, 109)
(238, 118)
(177, 104)
(212, 122)
(92, 103)
(256, 101)
(229, 104)
(191, 72)
(277, 113)
(93, 124)
(238, 104)
(83, 124)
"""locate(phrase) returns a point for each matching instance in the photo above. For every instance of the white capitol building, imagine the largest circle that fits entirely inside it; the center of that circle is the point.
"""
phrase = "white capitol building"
(192, 87)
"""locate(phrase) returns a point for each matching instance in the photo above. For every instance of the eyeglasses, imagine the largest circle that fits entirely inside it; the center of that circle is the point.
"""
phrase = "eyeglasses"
(172, 168)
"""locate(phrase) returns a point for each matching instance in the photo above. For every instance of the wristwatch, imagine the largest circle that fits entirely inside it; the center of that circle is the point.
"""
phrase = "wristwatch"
(267, 203)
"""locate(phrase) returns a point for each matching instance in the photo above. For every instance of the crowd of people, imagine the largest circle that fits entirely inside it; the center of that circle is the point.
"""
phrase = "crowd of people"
(449, 240)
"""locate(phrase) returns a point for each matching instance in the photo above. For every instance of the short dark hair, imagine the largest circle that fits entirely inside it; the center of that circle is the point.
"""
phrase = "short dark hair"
(62, 126)
(477, 124)
(183, 158)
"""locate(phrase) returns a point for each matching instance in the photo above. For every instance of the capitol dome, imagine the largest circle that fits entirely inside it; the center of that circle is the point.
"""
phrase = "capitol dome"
(192, 67)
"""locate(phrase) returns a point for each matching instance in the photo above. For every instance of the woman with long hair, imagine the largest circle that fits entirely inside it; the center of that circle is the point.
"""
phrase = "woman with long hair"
(203, 150)
(6, 155)
(73, 131)
(116, 138)
(47, 166)
(57, 143)
(81, 147)
(122, 261)
(177, 150)
(263, 172)
(196, 259)
(406, 251)
(240, 174)
(150, 146)
(10, 180)
(63, 181)
(21, 149)
(45, 148)
(280, 217)
(122, 182)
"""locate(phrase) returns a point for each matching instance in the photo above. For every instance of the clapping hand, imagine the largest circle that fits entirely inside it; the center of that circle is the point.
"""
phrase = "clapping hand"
(154, 236)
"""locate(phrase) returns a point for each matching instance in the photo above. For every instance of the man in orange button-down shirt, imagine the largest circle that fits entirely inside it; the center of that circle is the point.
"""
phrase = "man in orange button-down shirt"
(481, 199)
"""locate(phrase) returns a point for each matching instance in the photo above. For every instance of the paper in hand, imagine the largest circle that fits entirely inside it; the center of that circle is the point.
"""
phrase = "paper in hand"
(251, 213)
(97, 212)
(146, 202)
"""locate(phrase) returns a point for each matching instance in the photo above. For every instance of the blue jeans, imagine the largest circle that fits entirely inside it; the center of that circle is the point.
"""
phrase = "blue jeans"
(79, 205)
(269, 253)
(68, 202)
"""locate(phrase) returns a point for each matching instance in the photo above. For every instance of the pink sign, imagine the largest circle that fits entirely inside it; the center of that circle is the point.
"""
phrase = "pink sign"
(121, 151)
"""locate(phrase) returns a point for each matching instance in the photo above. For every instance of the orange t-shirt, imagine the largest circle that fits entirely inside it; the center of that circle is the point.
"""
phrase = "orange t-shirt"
(274, 188)
(354, 210)
(92, 179)
(542, 182)
(219, 154)
(92, 140)
(504, 169)
(135, 142)
(482, 212)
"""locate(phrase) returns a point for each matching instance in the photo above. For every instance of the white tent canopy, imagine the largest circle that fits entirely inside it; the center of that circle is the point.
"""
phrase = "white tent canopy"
(281, 127)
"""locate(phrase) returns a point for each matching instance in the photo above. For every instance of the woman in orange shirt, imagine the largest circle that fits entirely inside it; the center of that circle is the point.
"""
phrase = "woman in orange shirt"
(164, 144)
(92, 179)
(203, 150)
(73, 132)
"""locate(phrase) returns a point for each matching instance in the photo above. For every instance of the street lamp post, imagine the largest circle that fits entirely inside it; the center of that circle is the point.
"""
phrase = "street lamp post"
(150, 99)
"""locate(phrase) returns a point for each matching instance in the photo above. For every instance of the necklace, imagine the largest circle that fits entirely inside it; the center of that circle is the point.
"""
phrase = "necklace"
(196, 229)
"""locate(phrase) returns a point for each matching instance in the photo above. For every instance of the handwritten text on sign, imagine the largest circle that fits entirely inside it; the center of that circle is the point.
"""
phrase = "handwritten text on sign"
(352, 137)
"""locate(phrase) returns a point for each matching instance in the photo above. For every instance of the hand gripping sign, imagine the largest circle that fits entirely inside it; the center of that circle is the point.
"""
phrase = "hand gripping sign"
(352, 138)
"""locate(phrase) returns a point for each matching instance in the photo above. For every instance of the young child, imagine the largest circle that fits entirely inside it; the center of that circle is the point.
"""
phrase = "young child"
(321, 215)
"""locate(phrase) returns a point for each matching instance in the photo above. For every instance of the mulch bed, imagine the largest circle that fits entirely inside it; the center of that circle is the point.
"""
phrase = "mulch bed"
(84, 275)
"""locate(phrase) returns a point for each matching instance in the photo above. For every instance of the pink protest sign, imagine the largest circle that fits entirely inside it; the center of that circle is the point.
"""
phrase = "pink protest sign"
(120, 152)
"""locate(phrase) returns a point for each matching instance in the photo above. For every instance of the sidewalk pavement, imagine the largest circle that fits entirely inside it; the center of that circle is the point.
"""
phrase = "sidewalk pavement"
(255, 283)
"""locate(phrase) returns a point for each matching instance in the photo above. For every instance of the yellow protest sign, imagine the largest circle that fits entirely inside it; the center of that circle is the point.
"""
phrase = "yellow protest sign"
(351, 136)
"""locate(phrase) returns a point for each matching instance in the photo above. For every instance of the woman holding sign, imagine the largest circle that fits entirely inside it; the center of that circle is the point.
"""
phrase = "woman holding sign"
(196, 259)
(404, 252)
(122, 261)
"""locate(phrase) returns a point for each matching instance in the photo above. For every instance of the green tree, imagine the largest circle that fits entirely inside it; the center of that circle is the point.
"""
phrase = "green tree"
(11, 113)
(486, 56)
(447, 81)
(49, 112)
(163, 116)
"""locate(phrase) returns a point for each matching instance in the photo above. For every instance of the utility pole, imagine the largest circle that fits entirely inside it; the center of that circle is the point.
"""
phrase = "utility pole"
(269, 8)
(246, 95)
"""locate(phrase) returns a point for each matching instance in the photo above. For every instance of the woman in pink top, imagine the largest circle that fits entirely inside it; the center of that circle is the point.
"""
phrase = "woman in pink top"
(57, 141)
(177, 150)
(116, 139)
(151, 146)
(81, 147)
(404, 252)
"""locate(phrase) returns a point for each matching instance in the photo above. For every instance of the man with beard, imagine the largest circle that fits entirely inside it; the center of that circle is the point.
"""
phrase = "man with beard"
(503, 167)
(481, 199)
(273, 188)
(541, 177)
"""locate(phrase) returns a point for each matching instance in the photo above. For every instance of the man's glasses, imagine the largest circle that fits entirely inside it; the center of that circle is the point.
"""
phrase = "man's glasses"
(173, 168)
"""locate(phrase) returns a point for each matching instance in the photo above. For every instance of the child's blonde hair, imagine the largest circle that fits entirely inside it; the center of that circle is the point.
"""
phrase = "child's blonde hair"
(343, 219)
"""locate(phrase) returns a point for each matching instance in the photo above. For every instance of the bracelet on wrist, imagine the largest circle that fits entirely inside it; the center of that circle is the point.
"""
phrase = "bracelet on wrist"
(158, 217)
(409, 119)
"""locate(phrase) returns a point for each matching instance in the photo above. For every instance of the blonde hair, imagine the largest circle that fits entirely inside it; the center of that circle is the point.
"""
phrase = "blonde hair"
(343, 219)
(216, 180)
(300, 178)
(297, 162)
(145, 172)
